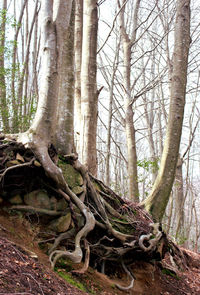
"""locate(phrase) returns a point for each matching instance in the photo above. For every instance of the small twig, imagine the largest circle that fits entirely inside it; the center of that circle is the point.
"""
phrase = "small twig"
(113, 24)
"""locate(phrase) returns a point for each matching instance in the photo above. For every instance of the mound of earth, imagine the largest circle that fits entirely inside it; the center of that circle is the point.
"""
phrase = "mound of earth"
(25, 269)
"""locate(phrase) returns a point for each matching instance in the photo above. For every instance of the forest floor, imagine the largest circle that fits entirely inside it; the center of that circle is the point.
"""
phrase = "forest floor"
(25, 269)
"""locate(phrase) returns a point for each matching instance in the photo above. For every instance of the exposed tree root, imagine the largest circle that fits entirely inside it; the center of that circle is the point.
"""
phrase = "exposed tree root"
(152, 242)
(131, 277)
(64, 236)
(14, 167)
(77, 254)
(37, 210)
(87, 259)
(116, 230)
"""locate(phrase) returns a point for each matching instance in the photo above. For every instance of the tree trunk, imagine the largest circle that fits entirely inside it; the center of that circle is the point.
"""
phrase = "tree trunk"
(15, 106)
(65, 116)
(78, 32)
(179, 200)
(3, 102)
(157, 201)
(88, 87)
(55, 20)
(127, 43)
(22, 103)
(110, 116)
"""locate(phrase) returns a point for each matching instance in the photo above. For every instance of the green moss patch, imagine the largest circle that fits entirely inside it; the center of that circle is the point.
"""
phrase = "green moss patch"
(69, 279)
(169, 272)
(72, 176)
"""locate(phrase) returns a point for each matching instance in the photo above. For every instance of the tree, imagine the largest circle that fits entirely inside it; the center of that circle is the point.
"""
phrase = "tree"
(89, 94)
(55, 20)
(42, 132)
(3, 101)
(128, 44)
(78, 33)
(159, 196)
(15, 103)
(65, 113)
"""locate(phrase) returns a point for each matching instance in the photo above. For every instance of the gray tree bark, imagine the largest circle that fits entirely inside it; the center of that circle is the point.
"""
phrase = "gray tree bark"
(127, 44)
(78, 33)
(65, 113)
(3, 102)
(157, 201)
(89, 96)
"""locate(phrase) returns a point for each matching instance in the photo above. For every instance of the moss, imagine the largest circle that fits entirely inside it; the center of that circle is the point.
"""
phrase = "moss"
(123, 228)
(64, 264)
(168, 272)
(68, 278)
(122, 221)
(97, 186)
(72, 176)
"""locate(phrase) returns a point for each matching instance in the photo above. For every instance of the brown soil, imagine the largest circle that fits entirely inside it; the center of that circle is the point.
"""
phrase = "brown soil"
(20, 273)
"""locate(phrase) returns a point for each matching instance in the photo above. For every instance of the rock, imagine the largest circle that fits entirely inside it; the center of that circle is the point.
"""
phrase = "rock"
(38, 199)
(62, 205)
(80, 220)
(17, 200)
(78, 190)
(20, 158)
(12, 163)
(61, 224)
(72, 176)
(53, 202)
(36, 163)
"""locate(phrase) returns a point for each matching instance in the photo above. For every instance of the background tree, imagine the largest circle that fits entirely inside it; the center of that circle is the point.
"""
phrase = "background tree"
(157, 201)
(3, 100)
(128, 46)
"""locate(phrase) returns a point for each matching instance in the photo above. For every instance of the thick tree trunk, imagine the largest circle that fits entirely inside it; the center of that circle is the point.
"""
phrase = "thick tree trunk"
(65, 115)
(88, 87)
(157, 201)
(78, 32)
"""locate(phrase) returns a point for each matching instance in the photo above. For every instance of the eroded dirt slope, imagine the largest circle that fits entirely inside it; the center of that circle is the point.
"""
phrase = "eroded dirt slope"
(24, 268)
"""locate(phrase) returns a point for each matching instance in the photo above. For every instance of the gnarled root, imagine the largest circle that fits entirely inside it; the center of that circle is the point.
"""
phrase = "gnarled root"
(87, 259)
(152, 242)
(77, 254)
(40, 150)
(63, 236)
(131, 277)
